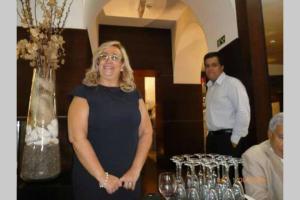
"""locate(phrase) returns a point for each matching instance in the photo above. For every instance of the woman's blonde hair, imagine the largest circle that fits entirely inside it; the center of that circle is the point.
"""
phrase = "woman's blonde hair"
(92, 76)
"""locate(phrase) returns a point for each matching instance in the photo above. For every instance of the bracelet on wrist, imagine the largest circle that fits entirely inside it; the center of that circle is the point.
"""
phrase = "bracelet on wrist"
(102, 185)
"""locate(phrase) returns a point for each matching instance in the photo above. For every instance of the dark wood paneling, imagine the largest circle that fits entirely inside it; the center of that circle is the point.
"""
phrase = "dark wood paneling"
(180, 119)
(147, 48)
(248, 61)
(183, 101)
(186, 132)
(276, 84)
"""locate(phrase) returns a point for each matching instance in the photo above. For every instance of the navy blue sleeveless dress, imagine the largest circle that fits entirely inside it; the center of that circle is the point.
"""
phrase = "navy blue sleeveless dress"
(113, 123)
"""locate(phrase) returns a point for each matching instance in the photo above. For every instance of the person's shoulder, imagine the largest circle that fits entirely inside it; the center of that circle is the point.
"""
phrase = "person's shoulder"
(81, 90)
(233, 80)
(256, 151)
(80, 85)
(135, 92)
(84, 87)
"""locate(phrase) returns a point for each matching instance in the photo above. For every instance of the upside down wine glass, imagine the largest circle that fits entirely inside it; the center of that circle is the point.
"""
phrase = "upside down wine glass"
(237, 187)
(180, 192)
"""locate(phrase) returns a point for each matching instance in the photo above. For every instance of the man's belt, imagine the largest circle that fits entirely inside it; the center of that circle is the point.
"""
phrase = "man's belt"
(220, 132)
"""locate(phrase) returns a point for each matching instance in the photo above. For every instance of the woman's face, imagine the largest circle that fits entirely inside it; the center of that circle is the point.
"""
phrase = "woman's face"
(110, 64)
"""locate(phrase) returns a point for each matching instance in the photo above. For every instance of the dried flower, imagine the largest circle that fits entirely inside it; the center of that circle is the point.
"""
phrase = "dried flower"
(51, 3)
(45, 46)
(59, 12)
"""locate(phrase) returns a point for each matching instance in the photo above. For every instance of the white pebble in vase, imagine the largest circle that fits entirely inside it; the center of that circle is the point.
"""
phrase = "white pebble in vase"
(53, 129)
(42, 132)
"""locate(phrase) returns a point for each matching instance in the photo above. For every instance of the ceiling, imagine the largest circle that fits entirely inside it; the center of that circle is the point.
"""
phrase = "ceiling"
(158, 14)
(164, 13)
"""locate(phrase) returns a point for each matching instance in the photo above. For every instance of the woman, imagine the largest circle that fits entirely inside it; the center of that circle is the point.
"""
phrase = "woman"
(109, 128)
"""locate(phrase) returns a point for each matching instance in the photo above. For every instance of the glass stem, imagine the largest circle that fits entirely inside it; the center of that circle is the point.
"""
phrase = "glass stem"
(177, 170)
(218, 172)
(236, 172)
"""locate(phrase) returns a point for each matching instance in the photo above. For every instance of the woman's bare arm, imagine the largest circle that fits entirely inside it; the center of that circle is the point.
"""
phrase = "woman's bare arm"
(144, 144)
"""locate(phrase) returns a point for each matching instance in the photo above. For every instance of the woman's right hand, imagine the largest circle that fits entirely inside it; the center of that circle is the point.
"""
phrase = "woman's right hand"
(113, 183)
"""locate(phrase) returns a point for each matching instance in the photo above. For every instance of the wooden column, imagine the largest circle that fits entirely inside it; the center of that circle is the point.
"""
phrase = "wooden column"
(254, 56)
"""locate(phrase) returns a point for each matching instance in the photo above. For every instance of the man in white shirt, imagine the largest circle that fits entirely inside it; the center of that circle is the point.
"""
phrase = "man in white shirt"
(227, 109)
(263, 165)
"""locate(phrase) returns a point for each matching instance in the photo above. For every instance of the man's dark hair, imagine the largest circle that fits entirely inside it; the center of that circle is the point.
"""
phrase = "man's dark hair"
(214, 54)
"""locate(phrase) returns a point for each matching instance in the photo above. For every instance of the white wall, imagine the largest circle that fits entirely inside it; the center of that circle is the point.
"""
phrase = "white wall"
(189, 47)
(92, 9)
(75, 18)
(94, 35)
(217, 18)
(196, 32)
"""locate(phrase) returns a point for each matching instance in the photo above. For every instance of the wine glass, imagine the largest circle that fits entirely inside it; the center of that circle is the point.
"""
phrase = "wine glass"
(237, 187)
(178, 160)
(192, 179)
(212, 195)
(225, 173)
(167, 184)
(223, 182)
(180, 192)
(211, 179)
(228, 195)
(193, 194)
(204, 192)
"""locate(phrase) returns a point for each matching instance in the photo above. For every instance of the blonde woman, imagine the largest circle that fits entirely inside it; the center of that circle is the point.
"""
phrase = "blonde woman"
(109, 128)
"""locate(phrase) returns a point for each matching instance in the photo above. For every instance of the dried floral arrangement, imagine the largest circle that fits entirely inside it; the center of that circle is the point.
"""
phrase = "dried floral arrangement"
(45, 47)
(44, 20)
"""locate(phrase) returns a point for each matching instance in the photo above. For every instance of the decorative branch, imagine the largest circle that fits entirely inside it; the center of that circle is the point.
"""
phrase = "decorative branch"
(44, 49)
(35, 14)
(65, 19)
(29, 13)
(62, 11)
(23, 10)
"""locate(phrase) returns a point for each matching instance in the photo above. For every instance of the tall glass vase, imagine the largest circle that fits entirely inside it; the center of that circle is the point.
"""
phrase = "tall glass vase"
(41, 154)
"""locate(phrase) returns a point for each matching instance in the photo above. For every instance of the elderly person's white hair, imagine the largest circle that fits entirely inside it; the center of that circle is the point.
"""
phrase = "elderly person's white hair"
(275, 121)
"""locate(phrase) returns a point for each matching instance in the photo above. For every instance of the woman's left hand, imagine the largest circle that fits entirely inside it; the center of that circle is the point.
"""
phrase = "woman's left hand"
(129, 179)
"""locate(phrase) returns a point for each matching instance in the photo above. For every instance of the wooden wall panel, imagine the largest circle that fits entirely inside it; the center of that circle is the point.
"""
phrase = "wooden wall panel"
(276, 84)
(254, 57)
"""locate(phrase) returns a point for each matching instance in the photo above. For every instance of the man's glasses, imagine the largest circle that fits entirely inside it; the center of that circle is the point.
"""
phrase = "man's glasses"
(112, 57)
